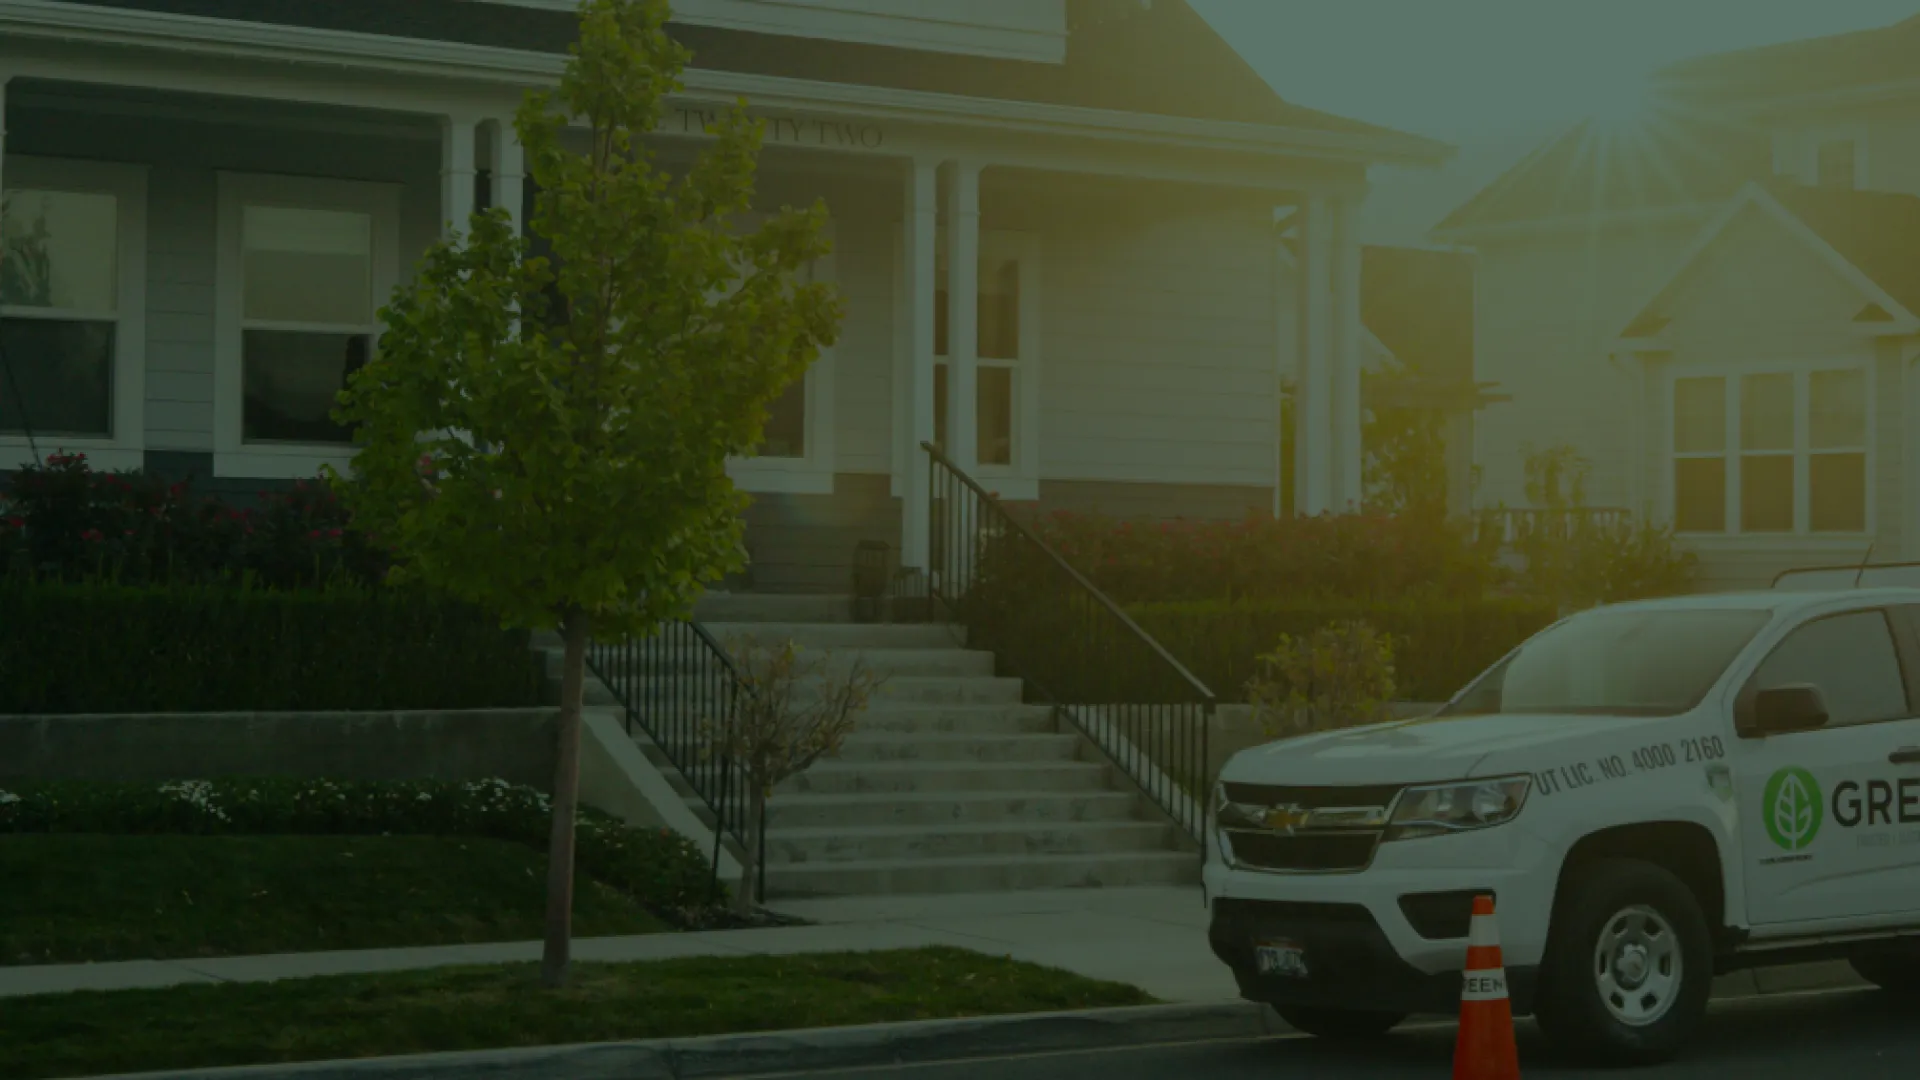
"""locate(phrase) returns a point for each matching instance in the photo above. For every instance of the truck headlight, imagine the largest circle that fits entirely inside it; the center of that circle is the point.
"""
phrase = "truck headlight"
(1442, 809)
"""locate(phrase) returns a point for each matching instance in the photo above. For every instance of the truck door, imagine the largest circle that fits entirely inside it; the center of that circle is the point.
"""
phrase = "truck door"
(1820, 810)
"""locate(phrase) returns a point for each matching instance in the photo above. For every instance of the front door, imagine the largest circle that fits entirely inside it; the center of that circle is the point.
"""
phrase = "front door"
(1821, 810)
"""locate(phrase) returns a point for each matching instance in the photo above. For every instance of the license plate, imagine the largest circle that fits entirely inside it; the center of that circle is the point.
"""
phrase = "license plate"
(1283, 958)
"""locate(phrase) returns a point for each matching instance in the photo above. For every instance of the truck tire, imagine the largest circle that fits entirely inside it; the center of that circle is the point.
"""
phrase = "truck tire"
(1628, 964)
(1339, 1024)
(1891, 966)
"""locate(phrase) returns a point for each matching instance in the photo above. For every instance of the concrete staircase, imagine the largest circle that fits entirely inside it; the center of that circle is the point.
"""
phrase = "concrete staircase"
(950, 783)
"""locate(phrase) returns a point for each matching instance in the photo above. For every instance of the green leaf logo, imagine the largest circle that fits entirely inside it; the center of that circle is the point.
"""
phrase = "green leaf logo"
(1791, 806)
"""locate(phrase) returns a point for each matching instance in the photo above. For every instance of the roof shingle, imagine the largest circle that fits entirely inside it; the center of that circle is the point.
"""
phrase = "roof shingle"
(1164, 61)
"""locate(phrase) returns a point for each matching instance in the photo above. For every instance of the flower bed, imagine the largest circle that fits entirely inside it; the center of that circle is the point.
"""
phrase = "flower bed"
(658, 867)
(64, 521)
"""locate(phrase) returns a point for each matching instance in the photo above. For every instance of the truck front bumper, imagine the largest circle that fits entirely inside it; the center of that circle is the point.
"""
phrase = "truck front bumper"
(1392, 937)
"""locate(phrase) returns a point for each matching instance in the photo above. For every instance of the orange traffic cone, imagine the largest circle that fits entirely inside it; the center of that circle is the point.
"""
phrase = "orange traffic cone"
(1485, 1050)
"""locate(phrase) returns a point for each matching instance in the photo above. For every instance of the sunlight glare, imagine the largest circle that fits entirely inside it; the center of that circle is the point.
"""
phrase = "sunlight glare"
(1621, 104)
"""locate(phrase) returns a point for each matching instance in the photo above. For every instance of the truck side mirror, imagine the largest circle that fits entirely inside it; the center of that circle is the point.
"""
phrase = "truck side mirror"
(1778, 710)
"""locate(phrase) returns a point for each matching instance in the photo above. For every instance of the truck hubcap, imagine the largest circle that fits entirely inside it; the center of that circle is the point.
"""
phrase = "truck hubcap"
(1636, 965)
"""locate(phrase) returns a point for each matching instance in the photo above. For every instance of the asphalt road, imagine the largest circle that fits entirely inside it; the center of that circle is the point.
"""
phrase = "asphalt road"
(1856, 1034)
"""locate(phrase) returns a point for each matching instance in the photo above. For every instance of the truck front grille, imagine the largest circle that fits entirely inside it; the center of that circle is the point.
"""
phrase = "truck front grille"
(1343, 838)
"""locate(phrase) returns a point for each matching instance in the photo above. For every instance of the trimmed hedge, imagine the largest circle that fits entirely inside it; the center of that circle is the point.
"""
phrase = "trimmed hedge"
(1438, 646)
(661, 869)
(99, 648)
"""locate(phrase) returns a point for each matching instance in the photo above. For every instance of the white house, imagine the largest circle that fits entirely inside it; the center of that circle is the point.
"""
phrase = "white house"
(222, 192)
(1717, 301)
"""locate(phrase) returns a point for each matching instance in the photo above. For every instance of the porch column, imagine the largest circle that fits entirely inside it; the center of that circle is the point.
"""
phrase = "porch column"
(1349, 457)
(507, 171)
(457, 172)
(963, 315)
(919, 226)
(1313, 391)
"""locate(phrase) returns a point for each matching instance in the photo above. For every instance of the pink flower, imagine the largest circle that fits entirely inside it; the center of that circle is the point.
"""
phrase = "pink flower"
(92, 534)
(334, 533)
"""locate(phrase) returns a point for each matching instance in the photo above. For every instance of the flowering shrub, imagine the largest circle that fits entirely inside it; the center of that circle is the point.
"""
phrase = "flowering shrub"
(1438, 645)
(1352, 556)
(1340, 675)
(63, 520)
(660, 868)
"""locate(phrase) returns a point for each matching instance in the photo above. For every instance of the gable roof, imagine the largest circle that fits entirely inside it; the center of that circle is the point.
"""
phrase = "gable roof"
(1793, 68)
(1867, 237)
(1674, 159)
(1165, 60)
(1877, 231)
(1691, 149)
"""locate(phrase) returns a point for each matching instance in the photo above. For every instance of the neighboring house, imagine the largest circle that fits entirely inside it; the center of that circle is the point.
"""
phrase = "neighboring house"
(220, 194)
(1718, 303)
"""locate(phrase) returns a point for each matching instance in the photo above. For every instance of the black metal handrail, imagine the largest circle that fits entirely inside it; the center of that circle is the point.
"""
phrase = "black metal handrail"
(1070, 644)
(674, 684)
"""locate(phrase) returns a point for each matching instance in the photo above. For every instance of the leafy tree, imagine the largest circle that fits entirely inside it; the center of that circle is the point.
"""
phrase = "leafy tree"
(793, 710)
(548, 437)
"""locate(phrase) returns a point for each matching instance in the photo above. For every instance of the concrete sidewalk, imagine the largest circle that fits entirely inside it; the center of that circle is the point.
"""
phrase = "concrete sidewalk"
(1152, 938)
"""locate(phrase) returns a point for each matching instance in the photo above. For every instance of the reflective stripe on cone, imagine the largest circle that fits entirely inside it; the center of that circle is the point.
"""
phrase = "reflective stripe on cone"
(1485, 1049)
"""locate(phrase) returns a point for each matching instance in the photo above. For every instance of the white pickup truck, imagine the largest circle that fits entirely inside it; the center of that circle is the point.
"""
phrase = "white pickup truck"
(1654, 792)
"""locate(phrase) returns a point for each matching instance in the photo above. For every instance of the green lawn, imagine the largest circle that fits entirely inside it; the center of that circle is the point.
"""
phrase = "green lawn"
(504, 1006)
(73, 898)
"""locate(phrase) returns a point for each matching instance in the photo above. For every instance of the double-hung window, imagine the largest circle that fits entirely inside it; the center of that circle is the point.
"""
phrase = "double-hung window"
(796, 452)
(1006, 390)
(1783, 452)
(72, 311)
(304, 267)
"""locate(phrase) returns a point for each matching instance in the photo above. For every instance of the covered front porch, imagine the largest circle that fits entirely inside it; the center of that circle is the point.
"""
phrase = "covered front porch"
(1084, 308)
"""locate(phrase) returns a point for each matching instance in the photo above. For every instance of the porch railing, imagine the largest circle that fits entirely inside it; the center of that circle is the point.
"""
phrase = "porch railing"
(1514, 524)
(671, 686)
(1071, 645)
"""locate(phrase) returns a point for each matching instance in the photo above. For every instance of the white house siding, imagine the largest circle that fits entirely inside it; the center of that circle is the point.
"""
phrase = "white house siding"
(1761, 296)
(183, 157)
(1548, 307)
(1158, 332)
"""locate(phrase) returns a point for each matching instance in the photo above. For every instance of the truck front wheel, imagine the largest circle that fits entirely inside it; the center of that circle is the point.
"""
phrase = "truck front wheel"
(1628, 965)
(1342, 1024)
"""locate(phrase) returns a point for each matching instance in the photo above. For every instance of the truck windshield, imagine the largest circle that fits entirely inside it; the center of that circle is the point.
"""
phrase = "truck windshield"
(1624, 662)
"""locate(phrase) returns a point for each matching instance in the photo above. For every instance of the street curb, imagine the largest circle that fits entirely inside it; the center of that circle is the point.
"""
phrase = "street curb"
(793, 1051)
(867, 1045)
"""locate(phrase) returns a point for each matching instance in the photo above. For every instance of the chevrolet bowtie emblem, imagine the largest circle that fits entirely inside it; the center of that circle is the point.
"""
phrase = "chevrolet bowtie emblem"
(1285, 818)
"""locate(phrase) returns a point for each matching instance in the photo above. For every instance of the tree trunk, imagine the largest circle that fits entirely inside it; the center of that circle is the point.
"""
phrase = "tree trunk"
(743, 897)
(566, 799)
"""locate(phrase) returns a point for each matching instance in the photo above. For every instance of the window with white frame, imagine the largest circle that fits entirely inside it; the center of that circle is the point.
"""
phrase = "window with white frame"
(72, 274)
(304, 266)
(1772, 452)
(1004, 382)
(796, 453)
